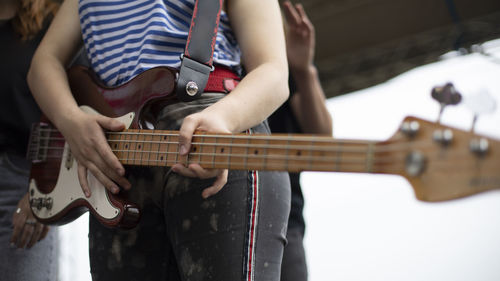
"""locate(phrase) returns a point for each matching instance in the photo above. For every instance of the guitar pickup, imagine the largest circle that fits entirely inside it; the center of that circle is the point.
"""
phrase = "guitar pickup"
(40, 203)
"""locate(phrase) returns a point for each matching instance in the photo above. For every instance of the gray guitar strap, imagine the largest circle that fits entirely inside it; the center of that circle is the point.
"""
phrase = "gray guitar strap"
(197, 60)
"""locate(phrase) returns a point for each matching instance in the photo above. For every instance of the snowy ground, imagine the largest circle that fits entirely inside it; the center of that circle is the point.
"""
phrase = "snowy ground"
(371, 227)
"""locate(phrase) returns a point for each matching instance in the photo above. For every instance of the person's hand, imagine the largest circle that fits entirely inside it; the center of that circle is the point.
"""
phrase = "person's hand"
(85, 136)
(204, 121)
(26, 229)
(300, 37)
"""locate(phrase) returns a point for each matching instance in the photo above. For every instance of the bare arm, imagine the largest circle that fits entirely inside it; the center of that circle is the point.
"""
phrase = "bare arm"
(258, 28)
(48, 83)
(308, 103)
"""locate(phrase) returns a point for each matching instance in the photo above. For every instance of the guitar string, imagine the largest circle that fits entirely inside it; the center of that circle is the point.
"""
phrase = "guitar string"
(318, 146)
(324, 164)
(354, 167)
(221, 153)
(275, 137)
(269, 157)
(297, 148)
(441, 166)
(377, 160)
(375, 166)
(359, 156)
(267, 138)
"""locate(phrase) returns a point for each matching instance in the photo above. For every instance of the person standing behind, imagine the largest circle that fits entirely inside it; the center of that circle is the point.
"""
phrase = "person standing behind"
(304, 112)
(22, 25)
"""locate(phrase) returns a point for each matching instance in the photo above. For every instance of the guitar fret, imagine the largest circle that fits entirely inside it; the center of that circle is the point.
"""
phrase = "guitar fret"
(150, 148)
(246, 154)
(229, 154)
(157, 139)
(310, 156)
(176, 154)
(338, 160)
(121, 146)
(201, 149)
(287, 153)
(265, 153)
(132, 145)
(167, 139)
(214, 152)
(369, 158)
(127, 148)
(140, 148)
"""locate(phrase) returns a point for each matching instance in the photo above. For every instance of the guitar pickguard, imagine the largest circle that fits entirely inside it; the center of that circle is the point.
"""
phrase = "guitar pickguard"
(67, 193)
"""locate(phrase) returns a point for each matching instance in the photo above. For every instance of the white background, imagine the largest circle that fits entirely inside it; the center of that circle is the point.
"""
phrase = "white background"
(371, 227)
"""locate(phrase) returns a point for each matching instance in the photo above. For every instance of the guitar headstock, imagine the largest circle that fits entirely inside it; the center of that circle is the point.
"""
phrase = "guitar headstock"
(440, 162)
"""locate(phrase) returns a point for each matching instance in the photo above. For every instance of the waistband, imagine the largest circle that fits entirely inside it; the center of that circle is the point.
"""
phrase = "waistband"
(222, 80)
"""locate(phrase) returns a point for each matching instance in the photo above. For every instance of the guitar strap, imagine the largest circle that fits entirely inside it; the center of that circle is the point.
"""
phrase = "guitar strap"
(197, 60)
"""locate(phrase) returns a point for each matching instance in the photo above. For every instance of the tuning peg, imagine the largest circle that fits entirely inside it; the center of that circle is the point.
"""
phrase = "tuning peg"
(481, 102)
(445, 95)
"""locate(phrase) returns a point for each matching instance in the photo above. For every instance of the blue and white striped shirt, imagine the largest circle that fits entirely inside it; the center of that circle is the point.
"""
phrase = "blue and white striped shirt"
(124, 38)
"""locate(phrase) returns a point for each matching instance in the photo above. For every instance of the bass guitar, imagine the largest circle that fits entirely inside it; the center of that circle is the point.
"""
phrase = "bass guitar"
(441, 163)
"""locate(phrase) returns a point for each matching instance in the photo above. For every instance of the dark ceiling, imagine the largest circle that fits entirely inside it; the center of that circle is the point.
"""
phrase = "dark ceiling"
(361, 43)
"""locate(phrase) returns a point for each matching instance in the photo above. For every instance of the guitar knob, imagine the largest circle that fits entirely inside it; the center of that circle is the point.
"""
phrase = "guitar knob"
(445, 95)
(479, 146)
(410, 128)
(445, 137)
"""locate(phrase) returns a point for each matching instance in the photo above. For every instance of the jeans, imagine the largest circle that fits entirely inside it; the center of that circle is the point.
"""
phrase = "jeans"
(237, 234)
(37, 263)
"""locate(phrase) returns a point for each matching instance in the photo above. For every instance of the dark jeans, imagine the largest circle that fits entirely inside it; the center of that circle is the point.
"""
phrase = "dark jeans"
(37, 263)
(294, 267)
(237, 234)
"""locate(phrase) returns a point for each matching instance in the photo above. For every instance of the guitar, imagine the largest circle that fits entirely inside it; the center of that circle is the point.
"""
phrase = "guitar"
(441, 163)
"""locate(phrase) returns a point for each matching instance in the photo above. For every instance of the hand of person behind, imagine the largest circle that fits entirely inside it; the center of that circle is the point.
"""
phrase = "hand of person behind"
(27, 231)
(300, 37)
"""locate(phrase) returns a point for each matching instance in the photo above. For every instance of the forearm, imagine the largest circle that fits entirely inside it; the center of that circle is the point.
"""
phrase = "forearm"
(259, 30)
(49, 86)
(259, 94)
(308, 103)
(47, 75)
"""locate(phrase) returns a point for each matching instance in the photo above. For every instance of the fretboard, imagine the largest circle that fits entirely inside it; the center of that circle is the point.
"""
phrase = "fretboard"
(245, 152)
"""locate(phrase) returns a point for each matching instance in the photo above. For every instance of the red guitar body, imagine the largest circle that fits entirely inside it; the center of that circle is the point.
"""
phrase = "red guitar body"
(136, 103)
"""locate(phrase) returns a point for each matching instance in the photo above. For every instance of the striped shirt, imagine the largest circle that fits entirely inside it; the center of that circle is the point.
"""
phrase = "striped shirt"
(124, 38)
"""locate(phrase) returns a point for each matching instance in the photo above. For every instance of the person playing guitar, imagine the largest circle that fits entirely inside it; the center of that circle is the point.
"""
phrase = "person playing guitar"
(191, 227)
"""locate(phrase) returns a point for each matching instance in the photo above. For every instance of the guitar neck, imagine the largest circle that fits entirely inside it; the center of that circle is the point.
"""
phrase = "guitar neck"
(291, 153)
(440, 162)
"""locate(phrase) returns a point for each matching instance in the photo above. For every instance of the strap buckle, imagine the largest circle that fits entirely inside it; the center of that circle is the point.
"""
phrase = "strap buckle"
(192, 79)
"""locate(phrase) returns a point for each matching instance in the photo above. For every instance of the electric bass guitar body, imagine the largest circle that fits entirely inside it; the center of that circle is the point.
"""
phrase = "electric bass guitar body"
(55, 193)
(441, 163)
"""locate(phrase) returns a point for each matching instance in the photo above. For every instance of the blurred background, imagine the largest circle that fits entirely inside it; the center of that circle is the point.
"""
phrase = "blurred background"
(361, 43)
(378, 61)
(371, 227)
